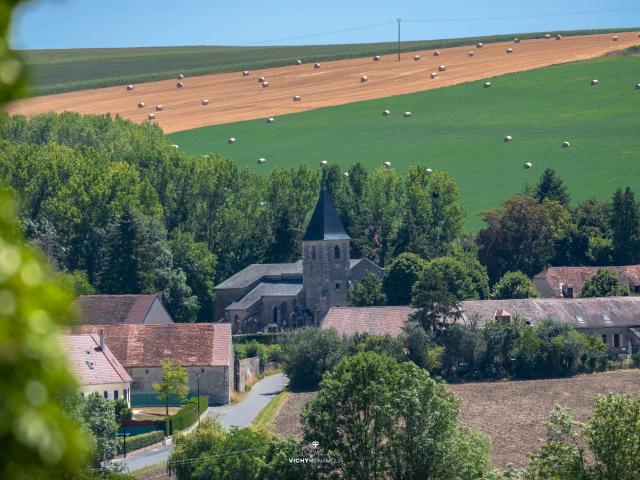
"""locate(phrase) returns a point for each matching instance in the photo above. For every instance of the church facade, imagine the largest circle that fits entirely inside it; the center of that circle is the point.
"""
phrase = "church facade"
(275, 297)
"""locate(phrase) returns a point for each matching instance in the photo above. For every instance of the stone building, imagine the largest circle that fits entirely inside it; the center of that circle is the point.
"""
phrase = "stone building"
(567, 282)
(273, 297)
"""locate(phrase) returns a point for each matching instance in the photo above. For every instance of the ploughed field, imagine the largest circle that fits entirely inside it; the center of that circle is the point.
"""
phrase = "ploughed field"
(233, 97)
(512, 413)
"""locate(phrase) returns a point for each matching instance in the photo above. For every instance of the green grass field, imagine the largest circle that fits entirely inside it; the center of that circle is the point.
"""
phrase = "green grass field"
(461, 129)
(55, 71)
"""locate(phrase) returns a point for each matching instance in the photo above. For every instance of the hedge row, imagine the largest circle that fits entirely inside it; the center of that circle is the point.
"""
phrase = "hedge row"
(187, 416)
(143, 440)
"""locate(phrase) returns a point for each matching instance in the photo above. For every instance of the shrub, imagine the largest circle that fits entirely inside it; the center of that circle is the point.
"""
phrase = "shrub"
(187, 416)
(136, 442)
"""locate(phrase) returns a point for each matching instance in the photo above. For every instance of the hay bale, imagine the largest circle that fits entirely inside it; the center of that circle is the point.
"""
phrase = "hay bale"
(364, 79)
(265, 84)
(231, 140)
(615, 38)
(140, 104)
(316, 65)
(261, 161)
(179, 85)
(271, 120)
(508, 138)
(566, 144)
(471, 54)
(346, 174)
(516, 40)
(298, 62)
(594, 82)
(479, 45)
(159, 108)
(527, 165)
(509, 50)
(205, 101)
(297, 98)
(407, 115)
(386, 113)
(442, 68)
(416, 58)
(180, 76)
(175, 146)
(547, 36)
(429, 171)
(376, 58)
(487, 84)
(151, 116)
(323, 163)
(434, 75)
(558, 37)
(638, 86)
(387, 164)
(261, 79)
(245, 73)
(436, 53)
(129, 88)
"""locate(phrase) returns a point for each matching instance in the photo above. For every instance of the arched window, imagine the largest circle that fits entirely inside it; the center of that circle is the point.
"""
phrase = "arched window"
(337, 286)
(275, 314)
(336, 251)
(313, 252)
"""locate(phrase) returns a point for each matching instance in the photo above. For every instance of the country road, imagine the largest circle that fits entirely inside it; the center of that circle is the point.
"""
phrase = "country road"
(239, 415)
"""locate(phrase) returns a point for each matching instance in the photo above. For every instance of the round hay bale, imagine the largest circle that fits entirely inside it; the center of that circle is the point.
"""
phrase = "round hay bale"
(159, 108)
(346, 174)
(547, 36)
(261, 79)
(205, 102)
(516, 40)
(298, 62)
(265, 84)
(509, 50)
(615, 38)
(323, 163)
(487, 84)
(129, 88)
(416, 58)
(376, 58)
(434, 75)
(429, 171)
(364, 79)
(179, 85)
(231, 140)
(638, 86)
(508, 138)
(471, 54)
(180, 76)
(595, 82)
(407, 115)
(151, 116)
(245, 73)
(386, 113)
(387, 164)
(140, 104)
(261, 161)
(479, 45)
(175, 146)
(271, 120)
(527, 165)
(442, 68)
(297, 98)
(316, 65)
(566, 144)
(436, 53)
(558, 37)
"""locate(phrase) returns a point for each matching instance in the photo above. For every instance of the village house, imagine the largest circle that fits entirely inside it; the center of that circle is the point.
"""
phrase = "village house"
(616, 320)
(274, 297)
(95, 368)
(122, 310)
(203, 349)
(567, 282)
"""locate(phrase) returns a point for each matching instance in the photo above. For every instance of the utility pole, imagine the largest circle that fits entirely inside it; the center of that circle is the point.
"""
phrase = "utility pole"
(399, 21)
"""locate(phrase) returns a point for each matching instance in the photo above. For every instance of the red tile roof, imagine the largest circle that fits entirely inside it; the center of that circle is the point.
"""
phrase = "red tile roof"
(548, 281)
(114, 309)
(89, 364)
(192, 344)
(373, 320)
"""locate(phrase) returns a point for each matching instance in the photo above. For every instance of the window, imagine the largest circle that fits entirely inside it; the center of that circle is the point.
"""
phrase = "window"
(275, 314)
(106, 394)
(337, 286)
(146, 371)
(313, 252)
(553, 318)
(115, 394)
(125, 395)
(202, 370)
(616, 340)
(606, 318)
(336, 251)
(604, 339)
(579, 319)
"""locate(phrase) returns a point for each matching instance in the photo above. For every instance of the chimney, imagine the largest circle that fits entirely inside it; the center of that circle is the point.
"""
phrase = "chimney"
(102, 339)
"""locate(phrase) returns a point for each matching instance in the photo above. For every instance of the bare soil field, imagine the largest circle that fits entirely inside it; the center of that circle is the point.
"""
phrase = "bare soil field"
(234, 97)
(512, 413)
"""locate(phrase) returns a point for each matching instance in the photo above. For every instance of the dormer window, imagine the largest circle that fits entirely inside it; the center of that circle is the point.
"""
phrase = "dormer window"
(336, 251)
(606, 318)
(567, 291)
(579, 319)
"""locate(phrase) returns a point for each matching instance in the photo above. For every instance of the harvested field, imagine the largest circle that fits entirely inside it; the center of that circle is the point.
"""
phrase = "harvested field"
(234, 97)
(512, 413)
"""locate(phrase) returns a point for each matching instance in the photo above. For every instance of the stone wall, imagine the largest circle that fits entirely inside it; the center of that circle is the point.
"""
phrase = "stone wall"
(246, 371)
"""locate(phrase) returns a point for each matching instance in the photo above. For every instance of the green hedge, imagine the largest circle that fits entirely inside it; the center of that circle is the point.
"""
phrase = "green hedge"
(138, 441)
(187, 416)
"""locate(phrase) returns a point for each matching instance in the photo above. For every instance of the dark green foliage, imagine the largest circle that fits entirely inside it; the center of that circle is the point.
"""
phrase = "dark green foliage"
(382, 344)
(76, 282)
(625, 226)
(98, 414)
(253, 348)
(400, 276)
(604, 283)
(551, 187)
(137, 442)
(514, 285)
(187, 415)
(367, 293)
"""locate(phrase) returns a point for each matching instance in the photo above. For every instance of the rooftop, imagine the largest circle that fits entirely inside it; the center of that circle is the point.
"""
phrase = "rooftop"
(114, 309)
(266, 290)
(258, 271)
(372, 320)
(549, 281)
(325, 224)
(89, 364)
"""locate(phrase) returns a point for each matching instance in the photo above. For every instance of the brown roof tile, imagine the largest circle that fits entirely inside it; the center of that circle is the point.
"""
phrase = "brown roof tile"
(89, 364)
(372, 320)
(549, 281)
(113, 309)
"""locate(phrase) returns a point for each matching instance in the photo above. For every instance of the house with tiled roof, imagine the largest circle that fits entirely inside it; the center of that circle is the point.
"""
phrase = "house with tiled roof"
(274, 297)
(203, 349)
(567, 282)
(95, 367)
(122, 310)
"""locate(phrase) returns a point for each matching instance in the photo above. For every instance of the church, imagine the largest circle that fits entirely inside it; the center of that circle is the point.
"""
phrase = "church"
(279, 296)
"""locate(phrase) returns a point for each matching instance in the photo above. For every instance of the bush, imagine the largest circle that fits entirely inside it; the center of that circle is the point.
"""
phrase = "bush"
(187, 416)
(136, 442)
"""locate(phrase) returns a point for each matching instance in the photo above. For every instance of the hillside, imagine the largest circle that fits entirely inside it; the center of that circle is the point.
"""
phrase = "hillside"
(56, 71)
(461, 129)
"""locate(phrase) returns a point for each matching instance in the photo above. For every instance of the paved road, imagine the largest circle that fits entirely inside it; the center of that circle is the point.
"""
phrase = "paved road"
(239, 415)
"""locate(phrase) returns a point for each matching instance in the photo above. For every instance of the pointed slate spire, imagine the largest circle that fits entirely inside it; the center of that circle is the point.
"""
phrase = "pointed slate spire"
(325, 223)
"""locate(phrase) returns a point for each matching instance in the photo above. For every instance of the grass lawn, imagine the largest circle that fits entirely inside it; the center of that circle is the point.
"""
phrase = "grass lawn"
(153, 413)
(54, 71)
(264, 419)
(461, 129)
